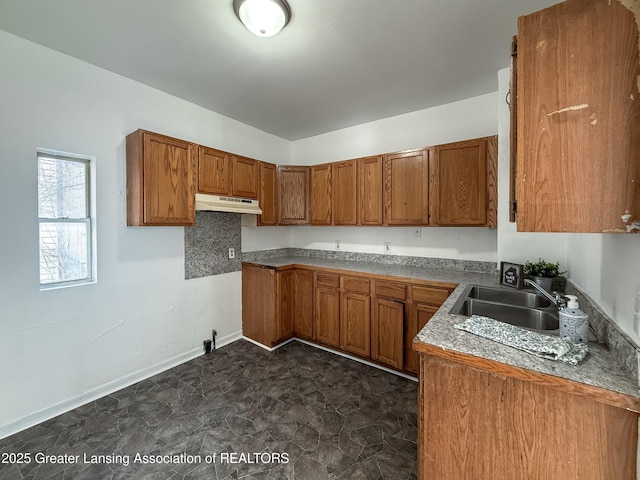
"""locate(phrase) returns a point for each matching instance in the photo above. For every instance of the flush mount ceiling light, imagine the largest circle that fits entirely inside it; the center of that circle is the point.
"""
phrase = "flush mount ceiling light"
(264, 18)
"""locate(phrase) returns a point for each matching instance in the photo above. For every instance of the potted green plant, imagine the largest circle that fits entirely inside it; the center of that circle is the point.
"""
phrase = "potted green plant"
(542, 272)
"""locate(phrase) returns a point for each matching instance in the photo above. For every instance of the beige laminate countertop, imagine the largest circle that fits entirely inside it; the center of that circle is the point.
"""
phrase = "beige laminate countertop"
(599, 375)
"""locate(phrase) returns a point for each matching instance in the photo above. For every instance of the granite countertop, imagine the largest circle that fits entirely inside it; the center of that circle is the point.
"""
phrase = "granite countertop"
(599, 371)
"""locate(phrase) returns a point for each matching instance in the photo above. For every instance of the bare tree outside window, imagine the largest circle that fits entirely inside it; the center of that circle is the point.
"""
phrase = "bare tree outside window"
(65, 222)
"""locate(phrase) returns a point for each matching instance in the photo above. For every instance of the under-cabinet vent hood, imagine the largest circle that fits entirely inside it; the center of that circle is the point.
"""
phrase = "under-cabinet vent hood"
(216, 203)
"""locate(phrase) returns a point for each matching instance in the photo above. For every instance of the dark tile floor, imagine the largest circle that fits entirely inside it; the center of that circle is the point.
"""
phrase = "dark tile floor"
(296, 413)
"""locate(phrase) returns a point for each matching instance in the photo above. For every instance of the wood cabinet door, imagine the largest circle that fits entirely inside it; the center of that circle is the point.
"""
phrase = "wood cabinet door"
(303, 304)
(286, 300)
(355, 323)
(327, 315)
(293, 204)
(578, 117)
(259, 303)
(164, 192)
(458, 183)
(370, 191)
(321, 194)
(214, 171)
(246, 177)
(268, 195)
(406, 190)
(419, 315)
(344, 193)
(387, 332)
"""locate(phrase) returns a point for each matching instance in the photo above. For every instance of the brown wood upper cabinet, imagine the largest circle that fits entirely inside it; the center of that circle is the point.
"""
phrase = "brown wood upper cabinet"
(578, 121)
(462, 183)
(221, 173)
(370, 190)
(214, 171)
(321, 194)
(246, 177)
(293, 188)
(406, 187)
(268, 194)
(160, 180)
(344, 193)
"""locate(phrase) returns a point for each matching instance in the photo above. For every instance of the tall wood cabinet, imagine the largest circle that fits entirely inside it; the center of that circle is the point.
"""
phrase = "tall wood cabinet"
(578, 122)
(406, 188)
(293, 189)
(161, 178)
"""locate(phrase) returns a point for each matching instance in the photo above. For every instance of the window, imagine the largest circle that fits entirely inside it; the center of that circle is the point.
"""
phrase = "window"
(64, 214)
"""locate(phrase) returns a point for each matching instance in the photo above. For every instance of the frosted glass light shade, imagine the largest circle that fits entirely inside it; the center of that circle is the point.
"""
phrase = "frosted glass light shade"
(263, 18)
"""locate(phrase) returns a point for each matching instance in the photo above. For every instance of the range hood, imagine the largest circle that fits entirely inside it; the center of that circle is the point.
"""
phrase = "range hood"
(216, 203)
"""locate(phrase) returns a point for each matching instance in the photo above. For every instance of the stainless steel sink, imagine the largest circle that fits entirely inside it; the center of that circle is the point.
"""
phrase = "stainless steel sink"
(519, 316)
(520, 308)
(511, 297)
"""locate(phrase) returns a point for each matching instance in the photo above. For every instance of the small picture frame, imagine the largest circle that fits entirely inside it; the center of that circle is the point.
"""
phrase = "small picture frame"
(511, 274)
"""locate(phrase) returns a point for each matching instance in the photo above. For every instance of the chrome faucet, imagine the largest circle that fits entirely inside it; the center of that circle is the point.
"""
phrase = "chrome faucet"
(554, 297)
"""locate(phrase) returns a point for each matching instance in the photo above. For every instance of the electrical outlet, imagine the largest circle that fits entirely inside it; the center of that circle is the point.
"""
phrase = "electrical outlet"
(417, 232)
(337, 244)
(232, 253)
(387, 247)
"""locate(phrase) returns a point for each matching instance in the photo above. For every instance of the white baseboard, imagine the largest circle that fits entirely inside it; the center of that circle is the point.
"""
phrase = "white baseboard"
(32, 419)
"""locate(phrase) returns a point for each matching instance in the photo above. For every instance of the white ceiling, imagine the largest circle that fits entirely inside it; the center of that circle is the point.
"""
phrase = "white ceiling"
(338, 63)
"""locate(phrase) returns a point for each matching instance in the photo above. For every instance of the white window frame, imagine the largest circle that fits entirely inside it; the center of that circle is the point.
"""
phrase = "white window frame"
(88, 220)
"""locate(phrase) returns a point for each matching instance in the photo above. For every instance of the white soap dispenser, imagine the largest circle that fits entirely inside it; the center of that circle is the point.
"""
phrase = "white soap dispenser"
(574, 323)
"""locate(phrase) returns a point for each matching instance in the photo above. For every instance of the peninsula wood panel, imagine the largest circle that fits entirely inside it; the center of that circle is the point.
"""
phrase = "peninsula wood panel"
(268, 194)
(259, 303)
(293, 204)
(161, 178)
(246, 177)
(370, 211)
(482, 425)
(321, 194)
(458, 183)
(406, 192)
(578, 117)
(214, 171)
(344, 192)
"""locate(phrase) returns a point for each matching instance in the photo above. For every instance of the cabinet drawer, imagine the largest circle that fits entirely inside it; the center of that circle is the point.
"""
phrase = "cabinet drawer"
(430, 295)
(327, 279)
(397, 291)
(354, 284)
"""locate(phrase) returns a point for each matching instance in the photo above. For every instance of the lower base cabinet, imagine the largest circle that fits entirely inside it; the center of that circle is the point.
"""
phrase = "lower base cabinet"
(481, 425)
(387, 332)
(327, 309)
(371, 318)
(303, 326)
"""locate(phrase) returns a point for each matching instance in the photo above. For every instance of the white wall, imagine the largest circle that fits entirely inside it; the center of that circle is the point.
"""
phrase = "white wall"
(470, 118)
(63, 347)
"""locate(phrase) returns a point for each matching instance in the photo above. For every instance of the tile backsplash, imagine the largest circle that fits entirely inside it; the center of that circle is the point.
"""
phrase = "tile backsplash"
(207, 243)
